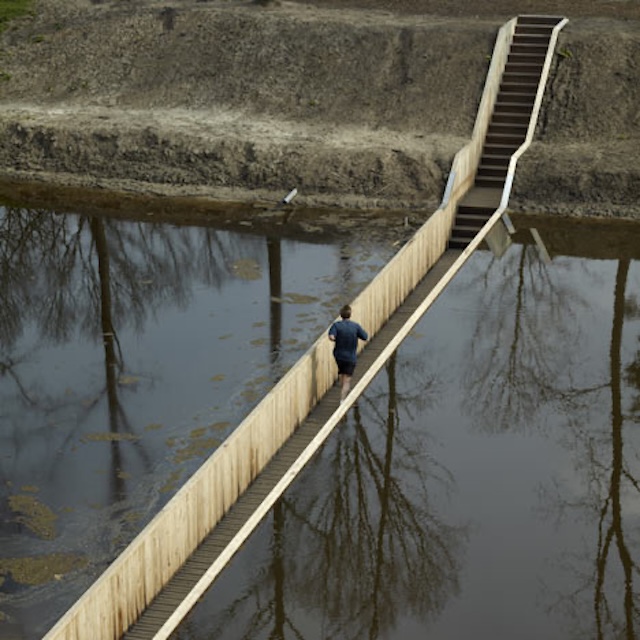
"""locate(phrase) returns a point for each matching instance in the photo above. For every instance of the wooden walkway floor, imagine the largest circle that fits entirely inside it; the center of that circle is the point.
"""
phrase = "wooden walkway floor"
(193, 571)
(482, 197)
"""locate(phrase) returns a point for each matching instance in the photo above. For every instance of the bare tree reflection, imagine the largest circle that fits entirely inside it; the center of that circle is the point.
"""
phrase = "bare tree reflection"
(632, 372)
(53, 279)
(118, 422)
(516, 363)
(274, 253)
(356, 544)
(612, 487)
(611, 533)
(8, 368)
(48, 277)
(67, 277)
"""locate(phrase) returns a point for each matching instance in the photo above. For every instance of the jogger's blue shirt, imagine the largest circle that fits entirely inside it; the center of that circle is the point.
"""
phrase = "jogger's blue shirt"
(346, 334)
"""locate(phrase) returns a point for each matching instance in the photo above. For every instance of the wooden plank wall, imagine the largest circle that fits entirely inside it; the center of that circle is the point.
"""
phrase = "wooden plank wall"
(117, 598)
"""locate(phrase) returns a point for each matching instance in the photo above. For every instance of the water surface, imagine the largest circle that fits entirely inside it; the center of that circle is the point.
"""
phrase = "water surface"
(485, 485)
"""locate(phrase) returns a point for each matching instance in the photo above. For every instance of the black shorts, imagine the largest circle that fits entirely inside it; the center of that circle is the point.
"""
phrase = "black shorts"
(345, 367)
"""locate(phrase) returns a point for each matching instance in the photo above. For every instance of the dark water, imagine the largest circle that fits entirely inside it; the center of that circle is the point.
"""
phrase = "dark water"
(486, 484)
(128, 352)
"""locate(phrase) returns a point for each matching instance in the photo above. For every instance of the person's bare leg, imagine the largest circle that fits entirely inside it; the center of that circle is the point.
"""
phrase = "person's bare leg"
(346, 385)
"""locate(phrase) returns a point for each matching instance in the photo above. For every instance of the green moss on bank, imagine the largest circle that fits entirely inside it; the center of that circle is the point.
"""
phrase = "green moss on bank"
(10, 9)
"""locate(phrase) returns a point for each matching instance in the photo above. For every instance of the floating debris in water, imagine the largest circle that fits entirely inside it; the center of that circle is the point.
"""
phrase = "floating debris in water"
(246, 269)
(34, 515)
(35, 570)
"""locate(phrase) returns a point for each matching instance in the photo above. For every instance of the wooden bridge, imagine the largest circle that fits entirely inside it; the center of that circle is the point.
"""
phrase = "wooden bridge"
(160, 576)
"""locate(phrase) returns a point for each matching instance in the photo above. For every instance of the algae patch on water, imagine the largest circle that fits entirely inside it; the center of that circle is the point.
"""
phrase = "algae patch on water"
(198, 443)
(34, 515)
(246, 269)
(35, 570)
(108, 436)
(299, 298)
(195, 449)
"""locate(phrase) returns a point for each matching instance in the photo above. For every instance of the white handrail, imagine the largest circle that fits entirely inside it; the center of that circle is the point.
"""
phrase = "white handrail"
(465, 162)
(506, 191)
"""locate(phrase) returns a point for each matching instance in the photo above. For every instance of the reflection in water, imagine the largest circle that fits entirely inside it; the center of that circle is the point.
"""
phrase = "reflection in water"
(128, 351)
(355, 545)
(605, 599)
(486, 483)
(65, 278)
(274, 251)
(113, 362)
(526, 335)
(610, 531)
(535, 361)
(532, 436)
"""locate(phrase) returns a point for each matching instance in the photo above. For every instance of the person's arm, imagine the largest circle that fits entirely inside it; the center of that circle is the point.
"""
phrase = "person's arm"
(362, 334)
(332, 333)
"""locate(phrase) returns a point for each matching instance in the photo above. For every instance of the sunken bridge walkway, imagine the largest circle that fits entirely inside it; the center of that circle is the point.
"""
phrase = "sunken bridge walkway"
(164, 571)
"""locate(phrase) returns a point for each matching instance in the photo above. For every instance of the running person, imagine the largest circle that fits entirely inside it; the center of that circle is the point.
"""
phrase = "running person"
(345, 334)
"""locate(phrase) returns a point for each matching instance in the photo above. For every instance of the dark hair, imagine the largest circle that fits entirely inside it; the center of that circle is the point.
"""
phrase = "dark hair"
(345, 312)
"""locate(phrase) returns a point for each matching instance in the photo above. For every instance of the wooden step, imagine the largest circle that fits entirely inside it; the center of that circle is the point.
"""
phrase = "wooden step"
(527, 48)
(516, 97)
(473, 220)
(495, 170)
(519, 77)
(477, 210)
(493, 182)
(455, 243)
(534, 29)
(527, 57)
(506, 86)
(495, 160)
(505, 139)
(464, 231)
(531, 19)
(508, 128)
(526, 67)
(530, 38)
(503, 105)
(493, 149)
(507, 116)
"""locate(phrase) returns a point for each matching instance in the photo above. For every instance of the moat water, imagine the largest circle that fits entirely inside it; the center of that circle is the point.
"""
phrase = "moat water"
(486, 483)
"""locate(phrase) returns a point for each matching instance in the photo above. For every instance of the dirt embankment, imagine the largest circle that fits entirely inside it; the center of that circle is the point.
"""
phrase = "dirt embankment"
(237, 101)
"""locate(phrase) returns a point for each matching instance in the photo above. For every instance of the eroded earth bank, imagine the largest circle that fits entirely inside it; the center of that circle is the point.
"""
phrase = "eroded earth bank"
(236, 101)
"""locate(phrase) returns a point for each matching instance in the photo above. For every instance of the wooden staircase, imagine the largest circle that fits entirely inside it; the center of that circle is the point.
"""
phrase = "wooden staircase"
(507, 130)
